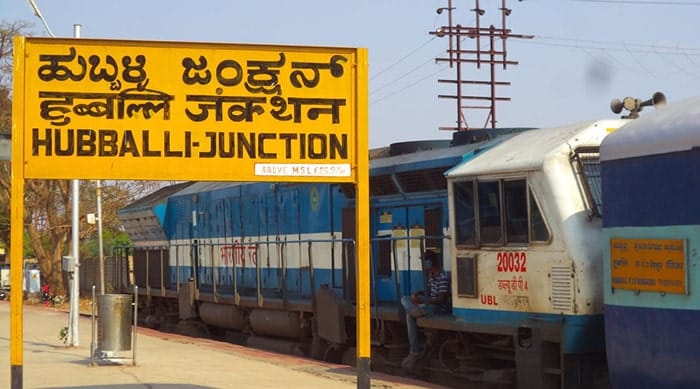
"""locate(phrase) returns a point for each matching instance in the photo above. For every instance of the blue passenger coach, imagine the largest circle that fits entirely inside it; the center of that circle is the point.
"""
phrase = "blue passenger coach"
(651, 182)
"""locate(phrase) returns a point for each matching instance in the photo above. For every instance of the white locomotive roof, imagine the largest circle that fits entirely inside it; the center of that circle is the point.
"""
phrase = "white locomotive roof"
(528, 150)
(672, 128)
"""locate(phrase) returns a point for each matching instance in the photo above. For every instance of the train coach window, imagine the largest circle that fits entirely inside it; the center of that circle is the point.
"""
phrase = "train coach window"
(464, 213)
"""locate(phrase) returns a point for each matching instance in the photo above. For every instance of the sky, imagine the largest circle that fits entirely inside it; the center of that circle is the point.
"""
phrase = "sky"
(584, 53)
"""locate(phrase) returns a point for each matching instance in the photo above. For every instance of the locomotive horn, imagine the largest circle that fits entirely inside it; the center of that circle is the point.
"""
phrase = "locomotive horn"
(616, 106)
(634, 106)
(658, 99)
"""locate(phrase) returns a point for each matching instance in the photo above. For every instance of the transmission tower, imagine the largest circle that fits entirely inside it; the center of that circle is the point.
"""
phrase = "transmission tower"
(488, 52)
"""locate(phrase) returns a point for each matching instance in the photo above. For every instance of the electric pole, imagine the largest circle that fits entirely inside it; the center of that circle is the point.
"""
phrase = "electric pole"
(491, 55)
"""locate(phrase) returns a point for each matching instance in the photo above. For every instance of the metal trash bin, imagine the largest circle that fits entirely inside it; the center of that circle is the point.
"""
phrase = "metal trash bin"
(114, 322)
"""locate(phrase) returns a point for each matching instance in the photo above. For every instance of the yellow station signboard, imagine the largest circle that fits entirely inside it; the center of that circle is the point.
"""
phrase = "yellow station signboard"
(653, 265)
(102, 109)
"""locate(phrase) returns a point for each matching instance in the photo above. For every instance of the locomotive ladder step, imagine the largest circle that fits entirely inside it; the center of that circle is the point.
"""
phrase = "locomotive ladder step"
(551, 370)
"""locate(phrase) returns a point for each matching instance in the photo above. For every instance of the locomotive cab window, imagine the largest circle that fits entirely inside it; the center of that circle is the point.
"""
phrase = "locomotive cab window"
(465, 221)
(516, 222)
(538, 227)
(586, 163)
(490, 223)
(497, 212)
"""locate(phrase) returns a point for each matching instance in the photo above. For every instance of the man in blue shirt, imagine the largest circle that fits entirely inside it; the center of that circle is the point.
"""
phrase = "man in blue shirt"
(419, 304)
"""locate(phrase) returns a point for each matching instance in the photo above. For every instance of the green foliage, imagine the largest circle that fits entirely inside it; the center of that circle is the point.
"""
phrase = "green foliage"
(7, 32)
(48, 205)
(48, 223)
(27, 249)
(63, 335)
(90, 247)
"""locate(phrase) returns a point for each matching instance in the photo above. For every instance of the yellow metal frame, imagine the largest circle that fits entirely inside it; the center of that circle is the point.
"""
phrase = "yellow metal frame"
(360, 176)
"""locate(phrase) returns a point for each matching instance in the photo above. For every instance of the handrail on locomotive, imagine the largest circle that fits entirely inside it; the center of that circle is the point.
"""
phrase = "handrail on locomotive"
(207, 244)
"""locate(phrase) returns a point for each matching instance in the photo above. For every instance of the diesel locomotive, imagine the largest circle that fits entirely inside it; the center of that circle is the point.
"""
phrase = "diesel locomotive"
(522, 220)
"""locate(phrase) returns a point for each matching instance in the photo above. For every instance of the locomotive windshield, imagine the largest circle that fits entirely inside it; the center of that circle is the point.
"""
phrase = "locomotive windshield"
(507, 213)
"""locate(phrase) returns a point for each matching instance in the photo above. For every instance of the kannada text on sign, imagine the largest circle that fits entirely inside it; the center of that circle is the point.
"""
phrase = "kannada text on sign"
(135, 108)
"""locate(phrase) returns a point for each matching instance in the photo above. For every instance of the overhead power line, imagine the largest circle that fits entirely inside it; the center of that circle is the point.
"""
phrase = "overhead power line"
(377, 100)
(642, 48)
(607, 47)
(613, 50)
(633, 2)
(404, 75)
(402, 58)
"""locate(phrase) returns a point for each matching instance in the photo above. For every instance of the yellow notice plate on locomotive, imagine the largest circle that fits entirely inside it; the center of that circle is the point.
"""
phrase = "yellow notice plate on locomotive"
(653, 265)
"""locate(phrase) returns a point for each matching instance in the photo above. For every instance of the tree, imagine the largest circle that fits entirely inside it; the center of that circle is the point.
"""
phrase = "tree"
(7, 33)
(5, 126)
(115, 195)
(47, 203)
(47, 221)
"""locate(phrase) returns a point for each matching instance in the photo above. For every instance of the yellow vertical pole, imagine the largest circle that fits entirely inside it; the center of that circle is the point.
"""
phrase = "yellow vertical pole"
(17, 216)
(362, 217)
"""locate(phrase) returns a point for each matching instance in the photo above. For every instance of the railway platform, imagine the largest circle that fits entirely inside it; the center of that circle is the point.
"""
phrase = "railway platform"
(163, 361)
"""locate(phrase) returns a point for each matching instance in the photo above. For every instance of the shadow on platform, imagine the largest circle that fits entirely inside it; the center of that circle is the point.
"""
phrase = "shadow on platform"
(139, 385)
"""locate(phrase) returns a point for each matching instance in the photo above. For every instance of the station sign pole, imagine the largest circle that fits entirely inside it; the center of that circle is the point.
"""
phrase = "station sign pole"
(17, 224)
(363, 245)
